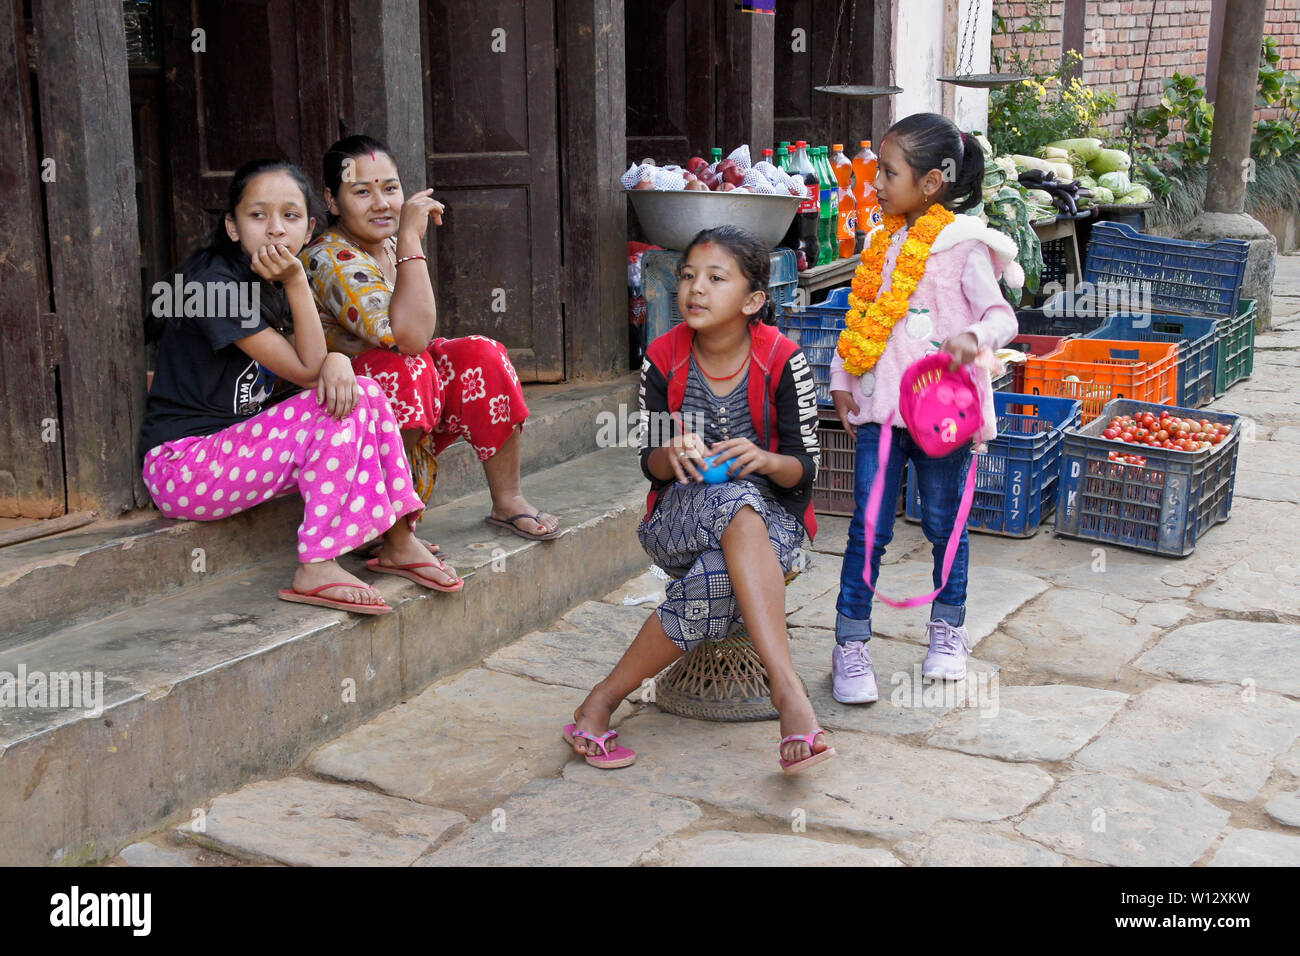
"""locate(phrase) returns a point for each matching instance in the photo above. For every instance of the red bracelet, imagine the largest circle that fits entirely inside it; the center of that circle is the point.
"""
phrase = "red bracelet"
(409, 258)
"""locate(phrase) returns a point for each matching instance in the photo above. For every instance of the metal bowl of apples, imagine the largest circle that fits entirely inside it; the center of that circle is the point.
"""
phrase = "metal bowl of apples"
(671, 219)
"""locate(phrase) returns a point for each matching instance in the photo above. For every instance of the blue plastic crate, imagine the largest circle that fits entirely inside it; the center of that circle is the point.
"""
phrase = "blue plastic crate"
(1198, 348)
(1054, 319)
(1162, 506)
(816, 329)
(1016, 481)
(659, 276)
(1182, 277)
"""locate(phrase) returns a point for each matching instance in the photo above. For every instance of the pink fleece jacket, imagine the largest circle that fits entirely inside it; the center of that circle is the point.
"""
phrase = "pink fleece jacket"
(958, 293)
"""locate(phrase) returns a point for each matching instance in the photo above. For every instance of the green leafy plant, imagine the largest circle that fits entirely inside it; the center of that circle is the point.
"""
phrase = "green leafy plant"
(1183, 106)
(1277, 138)
(1046, 107)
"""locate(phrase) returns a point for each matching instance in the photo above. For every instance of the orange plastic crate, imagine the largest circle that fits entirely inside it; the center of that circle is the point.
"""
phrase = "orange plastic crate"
(1106, 369)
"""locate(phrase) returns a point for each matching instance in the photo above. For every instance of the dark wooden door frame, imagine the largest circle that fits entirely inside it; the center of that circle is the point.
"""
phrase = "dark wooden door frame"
(85, 111)
(31, 470)
(593, 142)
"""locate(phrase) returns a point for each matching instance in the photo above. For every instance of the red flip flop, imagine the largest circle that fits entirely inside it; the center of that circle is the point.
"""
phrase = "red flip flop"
(310, 597)
(408, 571)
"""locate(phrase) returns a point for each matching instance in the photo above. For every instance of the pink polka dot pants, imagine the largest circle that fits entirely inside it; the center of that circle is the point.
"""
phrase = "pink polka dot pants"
(352, 473)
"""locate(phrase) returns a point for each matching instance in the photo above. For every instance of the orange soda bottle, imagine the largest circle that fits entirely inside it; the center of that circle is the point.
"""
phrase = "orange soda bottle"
(846, 233)
(865, 166)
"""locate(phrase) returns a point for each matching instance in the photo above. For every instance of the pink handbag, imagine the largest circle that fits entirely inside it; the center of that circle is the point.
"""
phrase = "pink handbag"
(942, 410)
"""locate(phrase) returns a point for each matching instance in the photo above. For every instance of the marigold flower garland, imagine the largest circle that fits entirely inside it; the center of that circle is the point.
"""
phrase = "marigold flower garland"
(870, 320)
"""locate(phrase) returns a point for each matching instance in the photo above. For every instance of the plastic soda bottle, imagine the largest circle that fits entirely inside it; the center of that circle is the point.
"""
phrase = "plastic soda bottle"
(865, 167)
(830, 199)
(809, 215)
(846, 234)
(783, 155)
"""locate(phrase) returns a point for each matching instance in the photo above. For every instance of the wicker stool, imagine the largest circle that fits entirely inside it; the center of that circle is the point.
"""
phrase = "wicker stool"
(722, 680)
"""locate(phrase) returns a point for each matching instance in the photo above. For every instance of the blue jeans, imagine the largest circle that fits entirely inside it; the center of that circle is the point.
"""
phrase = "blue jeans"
(941, 482)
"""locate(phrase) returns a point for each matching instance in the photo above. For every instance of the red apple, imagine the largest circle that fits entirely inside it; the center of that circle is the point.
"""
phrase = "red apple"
(697, 186)
(644, 184)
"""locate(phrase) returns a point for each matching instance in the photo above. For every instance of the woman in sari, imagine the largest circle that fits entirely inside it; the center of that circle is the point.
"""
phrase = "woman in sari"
(370, 279)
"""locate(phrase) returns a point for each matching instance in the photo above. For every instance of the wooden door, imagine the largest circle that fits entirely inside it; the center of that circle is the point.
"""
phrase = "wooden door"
(256, 82)
(492, 132)
(671, 80)
(806, 45)
(32, 480)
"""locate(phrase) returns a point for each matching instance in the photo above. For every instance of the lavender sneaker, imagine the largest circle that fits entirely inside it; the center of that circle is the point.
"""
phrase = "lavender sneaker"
(948, 649)
(853, 679)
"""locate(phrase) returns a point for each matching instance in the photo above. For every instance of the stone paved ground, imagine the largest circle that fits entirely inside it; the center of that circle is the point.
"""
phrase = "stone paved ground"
(1121, 709)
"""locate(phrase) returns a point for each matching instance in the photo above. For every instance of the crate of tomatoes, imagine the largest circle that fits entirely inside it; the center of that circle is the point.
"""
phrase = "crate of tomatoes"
(1146, 476)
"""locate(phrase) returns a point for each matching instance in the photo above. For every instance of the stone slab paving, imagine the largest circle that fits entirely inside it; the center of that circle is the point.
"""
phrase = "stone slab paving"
(1240, 653)
(146, 854)
(580, 651)
(1121, 822)
(994, 593)
(1285, 808)
(647, 587)
(963, 844)
(310, 823)
(1073, 634)
(562, 823)
(874, 785)
(725, 848)
(1258, 584)
(907, 704)
(1046, 723)
(464, 744)
(1257, 848)
(1200, 738)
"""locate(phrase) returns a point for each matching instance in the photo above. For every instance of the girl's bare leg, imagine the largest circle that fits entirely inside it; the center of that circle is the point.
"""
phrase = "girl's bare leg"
(650, 652)
(502, 471)
(759, 586)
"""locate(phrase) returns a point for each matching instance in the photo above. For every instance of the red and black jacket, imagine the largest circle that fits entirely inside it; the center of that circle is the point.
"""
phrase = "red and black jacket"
(782, 406)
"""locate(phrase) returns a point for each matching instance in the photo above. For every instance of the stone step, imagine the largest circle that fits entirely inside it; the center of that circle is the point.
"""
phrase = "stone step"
(222, 684)
(53, 583)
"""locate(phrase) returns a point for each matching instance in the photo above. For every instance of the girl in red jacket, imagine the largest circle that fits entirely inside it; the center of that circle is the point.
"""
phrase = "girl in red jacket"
(729, 384)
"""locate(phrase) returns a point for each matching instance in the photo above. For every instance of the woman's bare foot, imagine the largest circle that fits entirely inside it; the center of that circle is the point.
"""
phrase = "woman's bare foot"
(797, 717)
(592, 716)
(318, 573)
(507, 508)
(398, 550)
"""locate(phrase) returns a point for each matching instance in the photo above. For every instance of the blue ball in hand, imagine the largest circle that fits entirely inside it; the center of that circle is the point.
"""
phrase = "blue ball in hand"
(714, 472)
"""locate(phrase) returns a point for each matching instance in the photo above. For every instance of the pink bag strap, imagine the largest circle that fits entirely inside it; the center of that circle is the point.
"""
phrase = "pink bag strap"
(872, 516)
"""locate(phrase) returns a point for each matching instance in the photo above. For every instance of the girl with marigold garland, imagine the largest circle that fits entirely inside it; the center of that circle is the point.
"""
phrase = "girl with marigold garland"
(928, 282)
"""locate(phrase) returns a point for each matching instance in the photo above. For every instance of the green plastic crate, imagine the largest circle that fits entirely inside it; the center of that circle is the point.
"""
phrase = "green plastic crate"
(1236, 347)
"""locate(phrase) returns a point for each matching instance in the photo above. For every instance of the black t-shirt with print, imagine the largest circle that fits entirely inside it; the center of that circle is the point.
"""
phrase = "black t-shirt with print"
(203, 382)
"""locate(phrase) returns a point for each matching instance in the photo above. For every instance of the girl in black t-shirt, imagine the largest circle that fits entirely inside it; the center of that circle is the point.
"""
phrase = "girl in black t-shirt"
(240, 316)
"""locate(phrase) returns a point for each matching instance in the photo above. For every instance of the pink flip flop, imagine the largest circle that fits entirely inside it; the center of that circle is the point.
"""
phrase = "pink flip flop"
(310, 597)
(608, 759)
(408, 571)
(794, 766)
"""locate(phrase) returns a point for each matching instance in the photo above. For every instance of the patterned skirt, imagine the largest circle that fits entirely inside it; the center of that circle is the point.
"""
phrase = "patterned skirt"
(458, 388)
(684, 537)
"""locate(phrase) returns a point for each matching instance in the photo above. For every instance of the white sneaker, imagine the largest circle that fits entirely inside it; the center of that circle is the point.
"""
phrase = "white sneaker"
(853, 679)
(948, 649)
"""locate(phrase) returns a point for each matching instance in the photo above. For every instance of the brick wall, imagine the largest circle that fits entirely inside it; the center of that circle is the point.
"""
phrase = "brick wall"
(1116, 39)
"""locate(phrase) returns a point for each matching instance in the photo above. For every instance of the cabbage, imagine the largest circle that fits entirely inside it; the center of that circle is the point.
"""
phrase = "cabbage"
(1137, 195)
(1118, 183)
(1102, 196)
